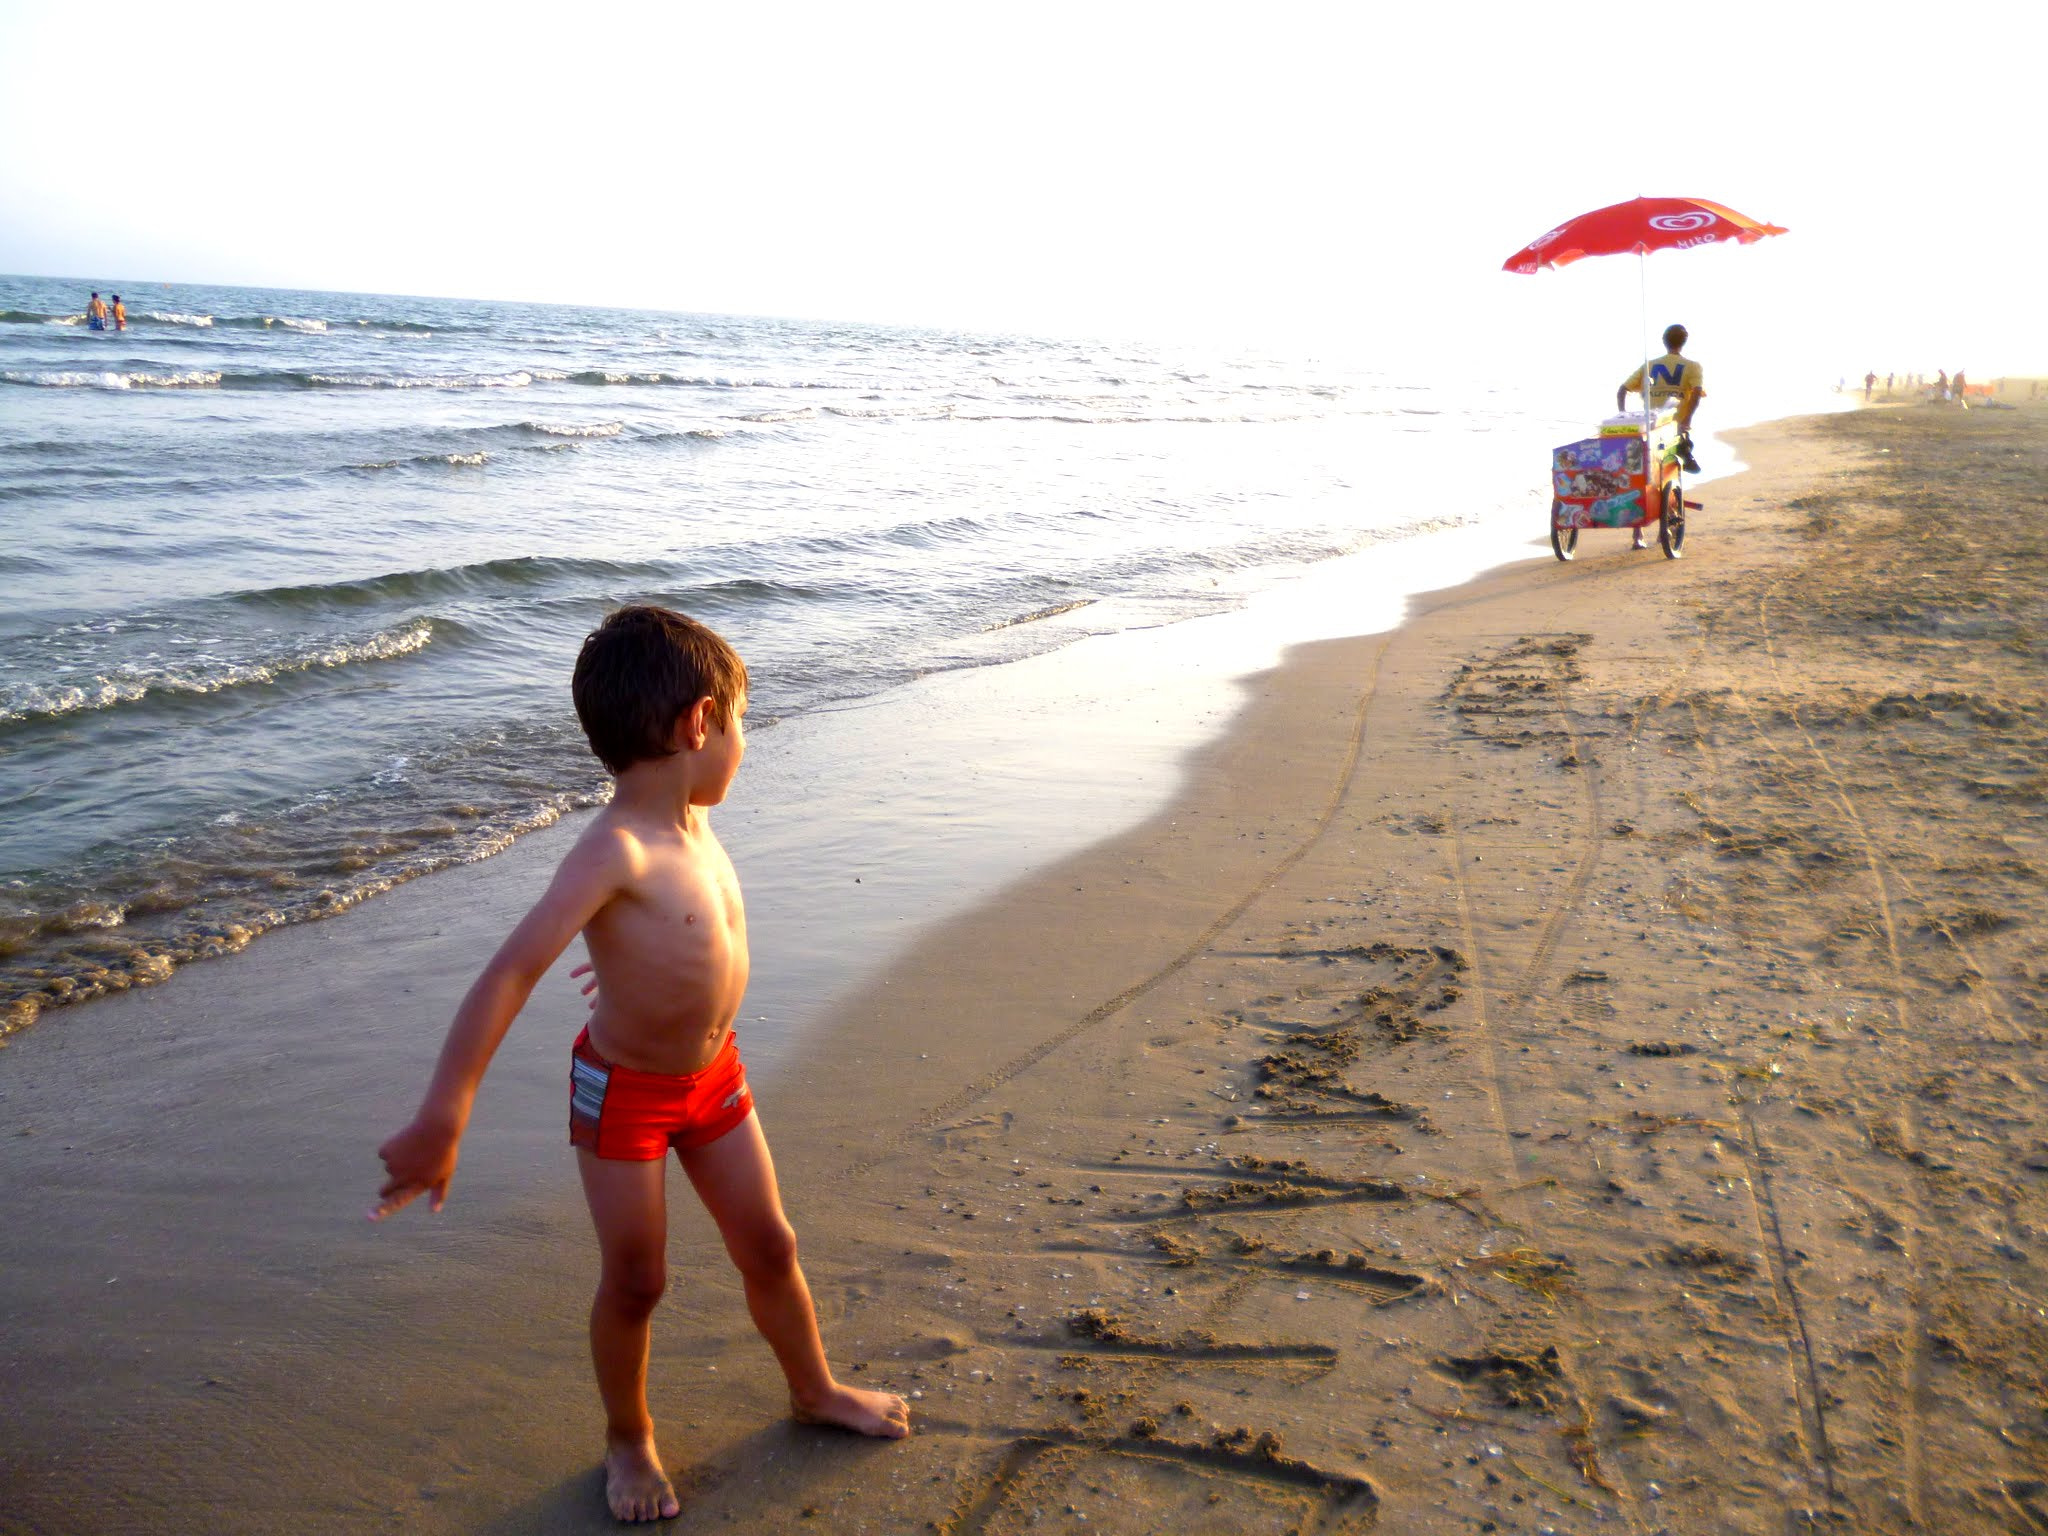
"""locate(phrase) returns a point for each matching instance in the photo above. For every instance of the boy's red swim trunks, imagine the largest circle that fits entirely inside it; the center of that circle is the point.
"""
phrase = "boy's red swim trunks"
(633, 1116)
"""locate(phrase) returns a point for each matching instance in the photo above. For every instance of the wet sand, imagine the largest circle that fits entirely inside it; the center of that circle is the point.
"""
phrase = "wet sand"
(1572, 1062)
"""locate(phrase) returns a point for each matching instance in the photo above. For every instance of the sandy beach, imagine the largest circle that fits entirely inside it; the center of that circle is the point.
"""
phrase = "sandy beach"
(1569, 1063)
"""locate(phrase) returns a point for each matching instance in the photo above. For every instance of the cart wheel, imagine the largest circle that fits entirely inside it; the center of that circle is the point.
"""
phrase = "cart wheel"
(1671, 526)
(1564, 542)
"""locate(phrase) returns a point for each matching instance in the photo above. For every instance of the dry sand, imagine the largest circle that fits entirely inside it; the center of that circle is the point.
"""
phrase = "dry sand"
(1572, 1063)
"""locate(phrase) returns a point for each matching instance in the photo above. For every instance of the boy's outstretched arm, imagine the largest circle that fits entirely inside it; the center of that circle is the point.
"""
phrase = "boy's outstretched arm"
(421, 1158)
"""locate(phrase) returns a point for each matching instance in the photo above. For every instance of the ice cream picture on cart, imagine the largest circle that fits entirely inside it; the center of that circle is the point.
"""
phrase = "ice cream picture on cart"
(1626, 477)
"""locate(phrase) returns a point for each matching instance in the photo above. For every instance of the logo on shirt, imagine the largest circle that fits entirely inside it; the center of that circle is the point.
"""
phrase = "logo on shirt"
(1661, 373)
(1679, 223)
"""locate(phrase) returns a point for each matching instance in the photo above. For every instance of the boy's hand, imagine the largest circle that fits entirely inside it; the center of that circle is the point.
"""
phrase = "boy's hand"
(419, 1160)
(590, 986)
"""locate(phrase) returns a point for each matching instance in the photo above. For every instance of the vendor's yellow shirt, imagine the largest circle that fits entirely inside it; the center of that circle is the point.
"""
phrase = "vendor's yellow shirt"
(1671, 378)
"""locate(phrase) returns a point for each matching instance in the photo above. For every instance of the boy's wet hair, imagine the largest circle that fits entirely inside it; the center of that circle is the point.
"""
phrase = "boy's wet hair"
(640, 670)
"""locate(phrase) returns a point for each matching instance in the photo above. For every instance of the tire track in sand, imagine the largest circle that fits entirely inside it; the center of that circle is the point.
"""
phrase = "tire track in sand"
(1492, 1021)
(1882, 874)
(1757, 1157)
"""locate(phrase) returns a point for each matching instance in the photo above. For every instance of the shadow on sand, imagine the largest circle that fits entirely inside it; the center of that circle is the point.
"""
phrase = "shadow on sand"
(764, 1480)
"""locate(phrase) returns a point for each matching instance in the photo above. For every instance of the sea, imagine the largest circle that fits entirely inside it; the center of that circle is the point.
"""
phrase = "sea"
(293, 581)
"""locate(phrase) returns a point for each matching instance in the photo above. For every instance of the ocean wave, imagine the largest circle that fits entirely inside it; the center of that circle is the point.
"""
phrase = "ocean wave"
(519, 379)
(611, 376)
(517, 571)
(272, 323)
(558, 429)
(403, 327)
(303, 324)
(741, 594)
(140, 317)
(604, 376)
(195, 378)
(706, 434)
(130, 684)
(299, 378)
(35, 492)
(1051, 612)
(799, 413)
(293, 378)
(451, 460)
(891, 412)
(131, 927)
(914, 533)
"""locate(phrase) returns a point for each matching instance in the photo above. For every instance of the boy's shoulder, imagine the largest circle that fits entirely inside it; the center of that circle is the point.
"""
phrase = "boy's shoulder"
(609, 846)
(627, 845)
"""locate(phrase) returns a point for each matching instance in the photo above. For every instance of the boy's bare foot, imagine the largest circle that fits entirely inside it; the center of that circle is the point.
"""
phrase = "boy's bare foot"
(634, 1485)
(865, 1413)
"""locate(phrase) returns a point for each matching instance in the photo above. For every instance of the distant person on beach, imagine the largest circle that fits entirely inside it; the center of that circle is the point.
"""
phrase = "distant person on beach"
(1869, 383)
(1941, 384)
(1958, 387)
(96, 312)
(120, 314)
(1671, 377)
(661, 698)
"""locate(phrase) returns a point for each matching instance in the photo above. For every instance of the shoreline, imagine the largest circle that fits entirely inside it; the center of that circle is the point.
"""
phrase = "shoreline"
(1186, 698)
(435, 1375)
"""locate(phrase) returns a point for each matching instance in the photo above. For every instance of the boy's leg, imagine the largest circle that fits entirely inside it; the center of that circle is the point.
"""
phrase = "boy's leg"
(735, 1178)
(629, 1207)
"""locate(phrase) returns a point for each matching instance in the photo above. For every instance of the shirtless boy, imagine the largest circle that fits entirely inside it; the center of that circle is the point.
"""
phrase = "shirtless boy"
(647, 885)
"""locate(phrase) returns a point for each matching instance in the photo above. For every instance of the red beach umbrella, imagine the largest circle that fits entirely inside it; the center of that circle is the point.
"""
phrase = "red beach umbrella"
(1636, 228)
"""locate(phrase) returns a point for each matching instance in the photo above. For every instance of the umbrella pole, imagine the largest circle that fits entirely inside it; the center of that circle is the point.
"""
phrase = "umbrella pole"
(1643, 290)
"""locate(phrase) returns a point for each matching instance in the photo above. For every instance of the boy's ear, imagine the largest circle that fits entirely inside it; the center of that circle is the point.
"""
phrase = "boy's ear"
(693, 726)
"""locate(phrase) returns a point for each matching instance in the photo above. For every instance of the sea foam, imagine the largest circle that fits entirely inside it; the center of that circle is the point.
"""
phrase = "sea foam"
(131, 683)
(195, 378)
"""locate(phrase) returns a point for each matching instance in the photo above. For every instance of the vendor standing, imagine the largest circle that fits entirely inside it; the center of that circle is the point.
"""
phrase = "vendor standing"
(1671, 377)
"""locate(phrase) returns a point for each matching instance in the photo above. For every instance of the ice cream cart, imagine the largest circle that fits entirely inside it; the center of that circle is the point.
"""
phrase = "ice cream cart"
(1627, 477)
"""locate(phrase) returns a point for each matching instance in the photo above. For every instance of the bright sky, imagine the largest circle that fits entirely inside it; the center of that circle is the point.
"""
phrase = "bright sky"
(1348, 174)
